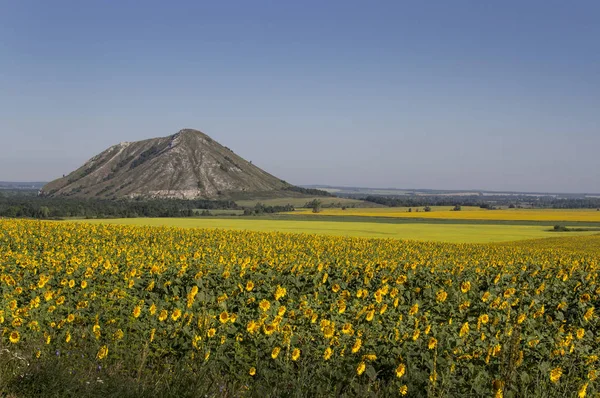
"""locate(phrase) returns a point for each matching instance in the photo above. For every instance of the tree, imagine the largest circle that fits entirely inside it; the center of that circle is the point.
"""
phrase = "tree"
(315, 205)
(457, 208)
(427, 208)
(44, 212)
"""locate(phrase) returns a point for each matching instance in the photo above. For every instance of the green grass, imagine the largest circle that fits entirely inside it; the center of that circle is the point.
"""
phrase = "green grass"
(222, 212)
(459, 233)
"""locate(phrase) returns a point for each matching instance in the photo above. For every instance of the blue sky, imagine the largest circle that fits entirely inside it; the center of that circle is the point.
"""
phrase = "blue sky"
(439, 94)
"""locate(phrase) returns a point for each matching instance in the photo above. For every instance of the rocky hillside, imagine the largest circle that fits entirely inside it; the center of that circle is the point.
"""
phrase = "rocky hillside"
(188, 164)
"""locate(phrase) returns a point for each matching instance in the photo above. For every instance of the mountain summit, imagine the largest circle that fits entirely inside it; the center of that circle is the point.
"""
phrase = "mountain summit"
(188, 164)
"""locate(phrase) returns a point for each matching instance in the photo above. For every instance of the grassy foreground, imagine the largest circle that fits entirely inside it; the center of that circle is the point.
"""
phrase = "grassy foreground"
(457, 233)
(111, 310)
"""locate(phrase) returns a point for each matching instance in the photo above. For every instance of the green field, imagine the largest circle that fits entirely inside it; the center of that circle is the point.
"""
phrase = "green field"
(459, 233)
(299, 202)
(222, 212)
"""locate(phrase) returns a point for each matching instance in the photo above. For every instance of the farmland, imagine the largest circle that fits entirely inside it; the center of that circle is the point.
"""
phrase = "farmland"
(468, 213)
(176, 311)
(300, 202)
(451, 232)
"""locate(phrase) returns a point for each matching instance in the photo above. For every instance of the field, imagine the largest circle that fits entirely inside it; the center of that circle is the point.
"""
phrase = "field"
(467, 214)
(458, 233)
(300, 202)
(224, 212)
(117, 310)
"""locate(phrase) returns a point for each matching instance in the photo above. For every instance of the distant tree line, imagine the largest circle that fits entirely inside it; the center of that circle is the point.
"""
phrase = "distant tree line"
(422, 201)
(486, 202)
(308, 191)
(585, 203)
(52, 208)
(260, 208)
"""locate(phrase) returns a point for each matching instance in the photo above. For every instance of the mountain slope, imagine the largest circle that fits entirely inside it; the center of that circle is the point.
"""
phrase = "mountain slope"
(188, 164)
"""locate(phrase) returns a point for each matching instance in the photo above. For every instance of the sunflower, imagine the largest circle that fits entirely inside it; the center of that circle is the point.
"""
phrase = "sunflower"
(328, 353)
(15, 337)
(268, 329)
(280, 292)
(400, 370)
(275, 352)
(252, 371)
(432, 343)
(361, 368)
(465, 287)
(176, 314)
(347, 328)
(555, 374)
(585, 298)
(464, 330)
(163, 315)
(416, 334)
(589, 314)
(295, 354)
(224, 317)
(328, 331)
(582, 391)
(137, 311)
(441, 296)
(414, 309)
(264, 305)
(102, 352)
(356, 346)
(252, 327)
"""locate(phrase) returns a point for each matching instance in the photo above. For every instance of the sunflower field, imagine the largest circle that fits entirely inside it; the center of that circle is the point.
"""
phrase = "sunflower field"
(243, 313)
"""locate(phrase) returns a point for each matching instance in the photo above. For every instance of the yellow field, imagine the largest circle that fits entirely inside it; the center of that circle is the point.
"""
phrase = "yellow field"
(466, 214)
(458, 233)
(254, 312)
(589, 244)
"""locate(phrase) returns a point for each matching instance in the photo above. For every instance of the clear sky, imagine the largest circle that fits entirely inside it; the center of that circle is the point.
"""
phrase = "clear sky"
(501, 95)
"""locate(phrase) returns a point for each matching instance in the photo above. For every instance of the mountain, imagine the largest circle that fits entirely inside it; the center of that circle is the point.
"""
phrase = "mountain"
(188, 164)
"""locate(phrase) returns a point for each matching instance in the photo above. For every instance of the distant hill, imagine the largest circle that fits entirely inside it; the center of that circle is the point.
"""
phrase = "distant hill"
(15, 185)
(188, 164)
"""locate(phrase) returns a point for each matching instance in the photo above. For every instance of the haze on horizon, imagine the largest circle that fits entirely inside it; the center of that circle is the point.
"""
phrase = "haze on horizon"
(498, 96)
